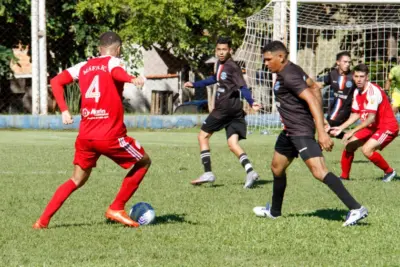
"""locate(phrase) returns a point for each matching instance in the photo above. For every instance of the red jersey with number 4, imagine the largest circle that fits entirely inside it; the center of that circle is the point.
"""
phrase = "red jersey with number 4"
(374, 100)
(101, 106)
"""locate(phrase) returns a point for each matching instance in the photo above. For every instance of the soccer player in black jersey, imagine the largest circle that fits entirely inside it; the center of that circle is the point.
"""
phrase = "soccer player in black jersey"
(228, 113)
(299, 103)
(341, 82)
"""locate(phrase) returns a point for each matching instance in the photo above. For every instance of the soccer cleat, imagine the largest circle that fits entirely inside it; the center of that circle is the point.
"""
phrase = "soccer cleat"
(251, 178)
(264, 211)
(207, 177)
(121, 217)
(39, 225)
(344, 179)
(355, 215)
(388, 177)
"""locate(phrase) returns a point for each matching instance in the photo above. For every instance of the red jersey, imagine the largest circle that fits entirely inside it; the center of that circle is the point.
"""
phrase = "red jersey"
(101, 99)
(374, 100)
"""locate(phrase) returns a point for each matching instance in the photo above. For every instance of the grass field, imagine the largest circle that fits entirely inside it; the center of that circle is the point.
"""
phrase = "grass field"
(196, 226)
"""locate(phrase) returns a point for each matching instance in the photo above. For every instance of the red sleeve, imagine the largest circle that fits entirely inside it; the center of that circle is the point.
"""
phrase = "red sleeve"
(57, 86)
(119, 74)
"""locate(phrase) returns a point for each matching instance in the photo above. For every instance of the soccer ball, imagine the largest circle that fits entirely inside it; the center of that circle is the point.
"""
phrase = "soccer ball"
(143, 213)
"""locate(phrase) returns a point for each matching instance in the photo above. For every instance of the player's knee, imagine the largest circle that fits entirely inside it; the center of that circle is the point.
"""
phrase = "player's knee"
(233, 146)
(146, 161)
(277, 169)
(367, 151)
(319, 172)
(79, 180)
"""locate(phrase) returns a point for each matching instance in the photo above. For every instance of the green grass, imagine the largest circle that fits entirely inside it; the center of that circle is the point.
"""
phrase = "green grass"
(196, 226)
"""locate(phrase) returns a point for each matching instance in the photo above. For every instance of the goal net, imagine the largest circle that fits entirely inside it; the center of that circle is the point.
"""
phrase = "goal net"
(370, 32)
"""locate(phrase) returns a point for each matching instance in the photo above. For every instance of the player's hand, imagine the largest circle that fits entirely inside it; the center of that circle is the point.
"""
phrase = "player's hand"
(335, 131)
(188, 84)
(139, 81)
(325, 141)
(347, 136)
(256, 107)
(66, 117)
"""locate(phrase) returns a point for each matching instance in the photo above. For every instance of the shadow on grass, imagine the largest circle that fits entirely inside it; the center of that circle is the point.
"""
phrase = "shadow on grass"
(66, 225)
(172, 218)
(327, 214)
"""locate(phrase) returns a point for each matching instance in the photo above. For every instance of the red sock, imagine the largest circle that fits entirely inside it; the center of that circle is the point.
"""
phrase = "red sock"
(347, 159)
(380, 162)
(61, 194)
(128, 188)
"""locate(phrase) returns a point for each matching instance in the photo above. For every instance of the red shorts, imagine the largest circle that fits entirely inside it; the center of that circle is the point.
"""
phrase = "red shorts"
(125, 151)
(384, 137)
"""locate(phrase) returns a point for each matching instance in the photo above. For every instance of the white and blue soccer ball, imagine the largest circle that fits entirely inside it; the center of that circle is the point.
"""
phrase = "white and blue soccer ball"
(143, 213)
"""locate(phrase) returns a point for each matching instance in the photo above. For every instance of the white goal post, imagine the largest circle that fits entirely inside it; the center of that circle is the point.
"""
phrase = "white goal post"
(314, 32)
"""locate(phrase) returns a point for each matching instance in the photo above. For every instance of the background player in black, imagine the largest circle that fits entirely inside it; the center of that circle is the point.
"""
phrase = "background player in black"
(341, 82)
(228, 113)
(299, 103)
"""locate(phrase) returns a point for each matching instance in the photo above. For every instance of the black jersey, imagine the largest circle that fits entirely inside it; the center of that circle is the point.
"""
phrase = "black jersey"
(343, 88)
(230, 79)
(294, 111)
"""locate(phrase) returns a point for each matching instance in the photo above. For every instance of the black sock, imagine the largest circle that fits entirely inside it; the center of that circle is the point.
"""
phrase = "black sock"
(244, 160)
(205, 156)
(338, 188)
(278, 190)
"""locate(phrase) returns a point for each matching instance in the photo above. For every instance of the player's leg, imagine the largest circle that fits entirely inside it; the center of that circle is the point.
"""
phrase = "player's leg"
(283, 156)
(210, 125)
(354, 143)
(319, 170)
(78, 179)
(84, 160)
(379, 140)
(311, 153)
(235, 131)
(126, 152)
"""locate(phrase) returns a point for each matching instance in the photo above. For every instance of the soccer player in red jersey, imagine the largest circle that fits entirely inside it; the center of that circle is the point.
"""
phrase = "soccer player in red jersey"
(102, 130)
(377, 129)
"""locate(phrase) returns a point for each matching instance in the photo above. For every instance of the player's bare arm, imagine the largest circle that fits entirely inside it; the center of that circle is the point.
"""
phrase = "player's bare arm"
(388, 84)
(316, 110)
(369, 120)
(350, 121)
(315, 88)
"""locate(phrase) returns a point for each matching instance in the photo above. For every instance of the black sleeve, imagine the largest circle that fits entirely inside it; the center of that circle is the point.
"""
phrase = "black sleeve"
(327, 79)
(295, 80)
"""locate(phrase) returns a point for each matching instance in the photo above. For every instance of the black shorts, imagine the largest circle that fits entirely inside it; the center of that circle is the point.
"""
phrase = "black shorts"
(235, 125)
(292, 146)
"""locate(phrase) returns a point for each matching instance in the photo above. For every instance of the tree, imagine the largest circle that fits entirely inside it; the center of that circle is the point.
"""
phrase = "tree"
(187, 29)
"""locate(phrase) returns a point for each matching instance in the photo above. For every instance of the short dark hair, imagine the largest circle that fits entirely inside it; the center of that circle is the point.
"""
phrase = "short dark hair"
(110, 38)
(361, 68)
(225, 40)
(275, 46)
(342, 54)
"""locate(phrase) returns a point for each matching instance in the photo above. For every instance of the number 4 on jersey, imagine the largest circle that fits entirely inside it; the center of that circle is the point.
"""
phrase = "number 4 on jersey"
(93, 90)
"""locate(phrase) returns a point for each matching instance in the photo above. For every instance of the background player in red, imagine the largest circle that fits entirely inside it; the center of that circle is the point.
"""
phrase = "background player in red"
(377, 129)
(102, 130)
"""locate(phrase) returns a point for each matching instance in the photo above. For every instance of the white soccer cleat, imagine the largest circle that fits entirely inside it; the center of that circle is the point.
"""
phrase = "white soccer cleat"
(251, 178)
(388, 177)
(355, 215)
(207, 177)
(264, 212)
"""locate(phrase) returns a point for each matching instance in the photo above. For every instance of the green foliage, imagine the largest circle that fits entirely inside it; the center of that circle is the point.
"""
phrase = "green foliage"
(6, 56)
(72, 95)
(187, 28)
